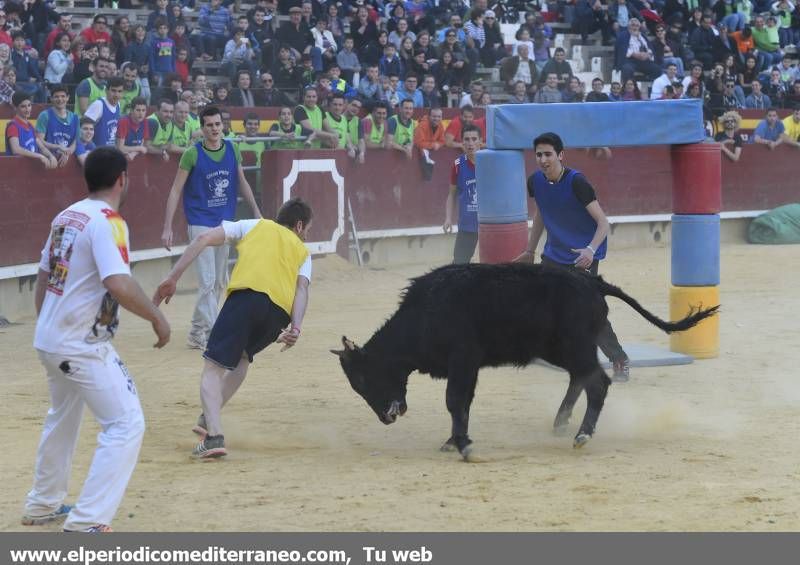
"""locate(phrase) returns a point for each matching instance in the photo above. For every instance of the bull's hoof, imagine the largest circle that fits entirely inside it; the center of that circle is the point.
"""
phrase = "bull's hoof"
(560, 431)
(580, 440)
(467, 454)
(448, 446)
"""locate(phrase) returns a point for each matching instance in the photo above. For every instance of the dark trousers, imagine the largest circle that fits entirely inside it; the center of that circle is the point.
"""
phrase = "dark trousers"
(607, 340)
(464, 249)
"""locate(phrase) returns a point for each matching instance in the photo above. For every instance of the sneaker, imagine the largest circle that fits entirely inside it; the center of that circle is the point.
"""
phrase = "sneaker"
(96, 529)
(622, 371)
(194, 342)
(59, 514)
(210, 447)
(201, 428)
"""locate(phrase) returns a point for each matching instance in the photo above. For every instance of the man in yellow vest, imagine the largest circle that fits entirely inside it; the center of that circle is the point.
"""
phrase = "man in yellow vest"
(401, 129)
(160, 126)
(266, 303)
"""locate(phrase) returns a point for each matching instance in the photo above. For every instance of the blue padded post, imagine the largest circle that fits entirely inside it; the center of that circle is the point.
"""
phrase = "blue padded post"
(695, 249)
(502, 198)
(597, 124)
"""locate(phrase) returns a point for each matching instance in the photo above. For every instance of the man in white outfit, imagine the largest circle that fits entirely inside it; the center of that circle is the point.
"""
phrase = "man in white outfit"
(84, 276)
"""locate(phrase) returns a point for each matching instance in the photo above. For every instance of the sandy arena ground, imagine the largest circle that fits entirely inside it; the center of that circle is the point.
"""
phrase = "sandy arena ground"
(709, 446)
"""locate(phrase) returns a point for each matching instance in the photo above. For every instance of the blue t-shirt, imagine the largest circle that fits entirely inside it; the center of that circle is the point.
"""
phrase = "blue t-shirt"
(763, 131)
(463, 177)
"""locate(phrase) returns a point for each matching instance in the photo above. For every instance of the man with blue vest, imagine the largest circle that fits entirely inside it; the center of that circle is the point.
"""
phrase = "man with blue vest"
(133, 130)
(21, 136)
(266, 302)
(210, 177)
(464, 194)
(106, 113)
(57, 127)
(564, 203)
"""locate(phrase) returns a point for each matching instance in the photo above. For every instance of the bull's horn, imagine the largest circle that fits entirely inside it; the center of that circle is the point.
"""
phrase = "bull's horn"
(337, 352)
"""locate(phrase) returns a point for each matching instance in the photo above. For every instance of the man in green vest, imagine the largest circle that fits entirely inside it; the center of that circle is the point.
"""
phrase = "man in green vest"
(252, 123)
(194, 108)
(289, 132)
(183, 131)
(131, 89)
(401, 129)
(373, 127)
(337, 122)
(311, 116)
(92, 88)
(161, 128)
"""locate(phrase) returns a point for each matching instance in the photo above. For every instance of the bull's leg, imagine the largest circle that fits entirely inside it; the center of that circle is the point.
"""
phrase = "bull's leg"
(462, 377)
(565, 410)
(596, 388)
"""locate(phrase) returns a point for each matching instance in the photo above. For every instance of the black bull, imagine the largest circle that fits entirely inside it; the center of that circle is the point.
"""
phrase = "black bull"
(459, 318)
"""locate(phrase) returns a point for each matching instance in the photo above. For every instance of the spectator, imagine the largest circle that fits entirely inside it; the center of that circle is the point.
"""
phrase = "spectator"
(160, 127)
(364, 31)
(429, 133)
(5, 38)
(28, 75)
(388, 94)
(770, 130)
(590, 16)
(138, 50)
(21, 138)
(311, 116)
(238, 56)
(98, 32)
(162, 52)
(616, 92)
(494, 47)
(454, 25)
(748, 75)
(452, 135)
(519, 68)
(307, 72)
(575, 91)
(64, 25)
(476, 36)
(193, 101)
(289, 131)
(791, 126)
(271, 96)
(630, 90)
(723, 46)
(430, 95)
(757, 100)
(172, 89)
(325, 47)
(213, 25)
(120, 35)
(451, 74)
(639, 55)
(348, 60)
(85, 144)
(400, 134)
(782, 10)
(369, 86)
(390, 63)
(202, 90)
(132, 88)
(184, 131)
(789, 71)
(133, 130)
(335, 23)
(182, 64)
(473, 97)
(558, 65)
(667, 79)
(295, 35)
(59, 61)
(410, 92)
(792, 98)
(406, 53)
(730, 139)
(180, 35)
(93, 88)
(424, 44)
(106, 114)
(767, 43)
(597, 94)
(373, 127)
(161, 12)
(665, 51)
(549, 92)
(335, 122)
(745, 45)
(519, 94)
(264, 34)
(57, 127)
(243, 95)
(372, 53)
(396, 12)
(252, 123)
(620, 13)
(695, 76)
(6, 86)
(775, 89)
(523, 38)
(396, 37)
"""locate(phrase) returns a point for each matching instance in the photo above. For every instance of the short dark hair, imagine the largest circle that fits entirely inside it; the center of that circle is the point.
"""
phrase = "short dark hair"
(771, 109)
(116, 82)
(251, 116)
(19, 97)
(209, 111)
(16, 34)
(84, 121)
(58, 87)
(160, 22)
(549, 138)
(165, 101)
(466, 108)
(138, 101)
(409, 100)
(469, 128)
(293, 211)
(103, 167)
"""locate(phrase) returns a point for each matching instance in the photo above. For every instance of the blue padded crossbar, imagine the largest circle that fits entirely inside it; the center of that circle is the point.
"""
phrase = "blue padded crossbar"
(597, 124)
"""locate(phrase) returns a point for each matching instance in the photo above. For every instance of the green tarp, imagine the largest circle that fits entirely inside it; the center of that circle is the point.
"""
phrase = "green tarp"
(781, 225)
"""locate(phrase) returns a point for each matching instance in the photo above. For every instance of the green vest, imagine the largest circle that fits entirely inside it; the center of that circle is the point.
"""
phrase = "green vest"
(289, 144)
(315, 118)
(127, 98)
(162, 135)
(375, 133)
(341, 129)
(194, 120)
(352, 129)
(403, 135)
(95, 93)
(257, 147)
(182, 137)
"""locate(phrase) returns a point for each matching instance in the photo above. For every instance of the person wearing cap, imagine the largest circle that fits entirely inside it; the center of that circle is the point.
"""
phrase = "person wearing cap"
(494, 49)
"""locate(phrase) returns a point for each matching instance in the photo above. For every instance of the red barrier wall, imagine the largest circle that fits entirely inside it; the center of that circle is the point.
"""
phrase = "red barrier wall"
(388, 192)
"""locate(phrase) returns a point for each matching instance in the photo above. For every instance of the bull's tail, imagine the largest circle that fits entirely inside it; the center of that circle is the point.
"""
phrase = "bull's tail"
(694, 317)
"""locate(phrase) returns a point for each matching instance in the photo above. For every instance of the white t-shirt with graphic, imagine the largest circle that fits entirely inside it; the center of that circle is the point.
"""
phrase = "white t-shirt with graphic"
(88, 242)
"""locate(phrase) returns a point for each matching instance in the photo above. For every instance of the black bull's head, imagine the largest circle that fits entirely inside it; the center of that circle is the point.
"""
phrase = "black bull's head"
(382, 386)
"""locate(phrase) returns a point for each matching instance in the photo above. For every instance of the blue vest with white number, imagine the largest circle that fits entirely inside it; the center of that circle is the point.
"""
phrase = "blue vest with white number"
(209, 195)
(569, 225)
(105, 130)
(467, 190)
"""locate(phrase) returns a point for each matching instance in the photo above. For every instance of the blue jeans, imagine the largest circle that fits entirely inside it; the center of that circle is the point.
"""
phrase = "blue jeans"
(735, 22)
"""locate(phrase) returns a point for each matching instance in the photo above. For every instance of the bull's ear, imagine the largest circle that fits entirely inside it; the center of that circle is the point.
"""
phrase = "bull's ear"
(348, 345)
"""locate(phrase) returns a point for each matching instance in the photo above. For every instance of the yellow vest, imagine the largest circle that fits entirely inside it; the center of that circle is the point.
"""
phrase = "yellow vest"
(269, 257)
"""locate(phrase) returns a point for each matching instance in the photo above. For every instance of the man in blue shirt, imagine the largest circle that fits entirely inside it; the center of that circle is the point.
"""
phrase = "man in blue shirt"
(768, 132)
(410, 92)
(464, 192)
(564, 203)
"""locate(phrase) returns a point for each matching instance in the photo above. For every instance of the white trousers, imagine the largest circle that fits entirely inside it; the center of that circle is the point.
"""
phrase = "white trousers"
(212, 280)
(100, 380)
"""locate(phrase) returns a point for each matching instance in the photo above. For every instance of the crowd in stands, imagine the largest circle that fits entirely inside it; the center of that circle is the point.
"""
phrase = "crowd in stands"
(326, 63)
